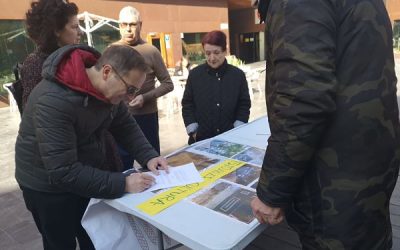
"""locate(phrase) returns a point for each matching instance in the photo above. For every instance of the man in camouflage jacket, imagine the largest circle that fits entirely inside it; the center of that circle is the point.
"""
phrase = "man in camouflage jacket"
(333, 156)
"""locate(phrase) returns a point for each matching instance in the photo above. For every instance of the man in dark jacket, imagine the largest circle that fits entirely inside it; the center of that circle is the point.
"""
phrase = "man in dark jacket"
(333, 156)
(59, 152)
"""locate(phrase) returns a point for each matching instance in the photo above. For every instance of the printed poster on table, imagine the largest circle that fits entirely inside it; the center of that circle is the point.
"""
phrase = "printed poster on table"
(251, 155)
(227, 199)
(184, 157)
(171, 196)
(244, 175)
(220, 147)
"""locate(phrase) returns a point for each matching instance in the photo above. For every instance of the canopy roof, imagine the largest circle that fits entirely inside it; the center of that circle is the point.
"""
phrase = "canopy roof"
(93, 22)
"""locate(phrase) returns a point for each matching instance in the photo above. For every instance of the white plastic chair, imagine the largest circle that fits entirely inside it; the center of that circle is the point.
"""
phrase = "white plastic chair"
(173, 99)
(256, 79)
(13, 103)
(170, 103)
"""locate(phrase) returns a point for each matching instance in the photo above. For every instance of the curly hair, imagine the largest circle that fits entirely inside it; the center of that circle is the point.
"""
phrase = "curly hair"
(44, 18)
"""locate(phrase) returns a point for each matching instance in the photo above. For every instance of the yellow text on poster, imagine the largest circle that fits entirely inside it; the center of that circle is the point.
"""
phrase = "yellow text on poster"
(168, 198)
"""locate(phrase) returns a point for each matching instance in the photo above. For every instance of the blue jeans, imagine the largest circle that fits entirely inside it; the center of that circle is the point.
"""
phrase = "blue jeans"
(149, 125)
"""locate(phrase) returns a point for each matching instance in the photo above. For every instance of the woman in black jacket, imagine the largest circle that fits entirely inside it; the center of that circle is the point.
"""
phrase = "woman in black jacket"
(216, 97)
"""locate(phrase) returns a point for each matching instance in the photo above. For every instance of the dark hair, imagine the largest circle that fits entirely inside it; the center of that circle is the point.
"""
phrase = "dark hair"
(215, 37)
(122, 58)
(44, 18)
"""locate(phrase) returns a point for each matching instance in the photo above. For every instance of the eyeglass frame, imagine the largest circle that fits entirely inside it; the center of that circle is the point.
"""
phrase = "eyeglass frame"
(125, 25)
(130, 89)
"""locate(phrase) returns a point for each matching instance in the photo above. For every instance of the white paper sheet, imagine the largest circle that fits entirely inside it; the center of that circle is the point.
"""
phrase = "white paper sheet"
(178, 176)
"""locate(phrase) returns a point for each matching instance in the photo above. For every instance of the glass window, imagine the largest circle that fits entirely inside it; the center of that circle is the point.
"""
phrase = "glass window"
(101, 37)
(192, 49)
(14, 47)
(396, 33)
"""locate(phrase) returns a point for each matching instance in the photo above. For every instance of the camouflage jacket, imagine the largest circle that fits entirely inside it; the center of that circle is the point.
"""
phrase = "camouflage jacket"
(333, 155)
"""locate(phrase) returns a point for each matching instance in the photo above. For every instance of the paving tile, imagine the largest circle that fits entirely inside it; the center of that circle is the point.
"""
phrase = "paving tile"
(396, 244)
(9, 185)
(23, 232)
(6, 241)
(394, 209)
(396, 232)
(395, 219)
(36, 244)
(10, 216)
(8, 200)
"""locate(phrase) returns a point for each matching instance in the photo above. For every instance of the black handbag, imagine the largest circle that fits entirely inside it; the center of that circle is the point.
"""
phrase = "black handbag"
(16, 87)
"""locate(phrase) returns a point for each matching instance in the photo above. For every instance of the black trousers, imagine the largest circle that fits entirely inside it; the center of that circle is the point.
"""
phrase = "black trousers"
(148, 123)
(58, 219)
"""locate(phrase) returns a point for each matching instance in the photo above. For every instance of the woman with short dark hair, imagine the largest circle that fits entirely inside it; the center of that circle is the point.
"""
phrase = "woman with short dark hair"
(216, 97)
(51, 24)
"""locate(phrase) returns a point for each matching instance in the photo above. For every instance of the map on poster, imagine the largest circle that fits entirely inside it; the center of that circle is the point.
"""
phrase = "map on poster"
(244, 175)
(251, 155)
(228, 199)
(223, 148)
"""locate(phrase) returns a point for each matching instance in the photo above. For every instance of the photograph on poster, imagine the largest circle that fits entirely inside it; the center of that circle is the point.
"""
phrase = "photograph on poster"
(228, 199)
(244, 175)
(183, 157)
(251, 155)
(219, 147)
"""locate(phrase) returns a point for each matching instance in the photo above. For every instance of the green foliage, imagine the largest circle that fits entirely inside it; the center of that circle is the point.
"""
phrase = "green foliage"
(196, 57)
(233, 60)
(6, 76)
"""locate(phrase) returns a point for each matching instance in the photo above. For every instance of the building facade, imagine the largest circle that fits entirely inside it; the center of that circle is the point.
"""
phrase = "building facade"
(174, 26)
(393, 8)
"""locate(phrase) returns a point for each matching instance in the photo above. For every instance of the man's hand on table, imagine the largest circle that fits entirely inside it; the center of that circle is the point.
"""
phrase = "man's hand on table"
(138, 182)
(157, 163)
(265, 213)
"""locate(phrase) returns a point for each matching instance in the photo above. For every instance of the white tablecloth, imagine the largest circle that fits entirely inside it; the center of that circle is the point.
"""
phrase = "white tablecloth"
(118, 224)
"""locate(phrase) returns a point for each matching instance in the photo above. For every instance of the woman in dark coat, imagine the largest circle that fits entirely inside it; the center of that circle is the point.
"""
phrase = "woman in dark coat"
(216, 97)
(50, 24)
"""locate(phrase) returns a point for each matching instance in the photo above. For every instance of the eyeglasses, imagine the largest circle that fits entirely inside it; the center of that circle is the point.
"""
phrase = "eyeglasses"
(130, 90)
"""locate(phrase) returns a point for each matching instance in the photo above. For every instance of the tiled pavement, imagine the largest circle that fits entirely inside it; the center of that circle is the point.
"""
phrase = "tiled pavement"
(18, 231)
